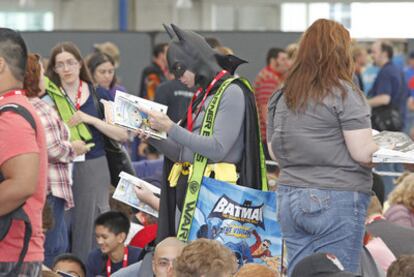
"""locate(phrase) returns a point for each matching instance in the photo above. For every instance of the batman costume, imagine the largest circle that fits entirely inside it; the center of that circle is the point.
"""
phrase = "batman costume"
(234, 149)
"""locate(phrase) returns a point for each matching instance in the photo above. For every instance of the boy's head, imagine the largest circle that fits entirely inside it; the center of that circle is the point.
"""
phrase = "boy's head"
(111, 230)
(69, 263)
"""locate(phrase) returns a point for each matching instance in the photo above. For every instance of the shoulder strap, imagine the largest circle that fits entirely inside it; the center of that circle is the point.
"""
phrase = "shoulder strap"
(19, 213)
(19, 109)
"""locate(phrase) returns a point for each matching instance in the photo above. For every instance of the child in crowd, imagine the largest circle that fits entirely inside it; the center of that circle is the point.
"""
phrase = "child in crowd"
(111, 229)
(69, 264)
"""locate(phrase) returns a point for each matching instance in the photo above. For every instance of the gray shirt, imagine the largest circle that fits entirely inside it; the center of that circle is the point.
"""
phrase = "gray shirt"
(310, 146)
(226, 143)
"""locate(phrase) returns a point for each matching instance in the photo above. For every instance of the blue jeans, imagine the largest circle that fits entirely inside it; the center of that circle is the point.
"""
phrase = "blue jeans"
(315, 220)
(56, 240)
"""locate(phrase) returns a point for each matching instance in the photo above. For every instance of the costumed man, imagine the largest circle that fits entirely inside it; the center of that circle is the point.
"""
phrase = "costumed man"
(220, 133)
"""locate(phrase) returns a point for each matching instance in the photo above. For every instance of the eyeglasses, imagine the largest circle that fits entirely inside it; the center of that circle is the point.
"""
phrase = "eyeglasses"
(165, 262)
(69, 63)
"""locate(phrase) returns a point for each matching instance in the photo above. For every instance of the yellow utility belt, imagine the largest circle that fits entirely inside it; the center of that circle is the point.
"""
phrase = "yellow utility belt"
(225, 172)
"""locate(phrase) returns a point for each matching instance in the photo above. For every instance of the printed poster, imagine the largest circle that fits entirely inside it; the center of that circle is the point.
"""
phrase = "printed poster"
(241, 218)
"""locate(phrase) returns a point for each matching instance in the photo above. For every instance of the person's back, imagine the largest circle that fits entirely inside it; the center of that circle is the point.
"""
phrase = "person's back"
(319, 131)
(311, 148)
(23, 160)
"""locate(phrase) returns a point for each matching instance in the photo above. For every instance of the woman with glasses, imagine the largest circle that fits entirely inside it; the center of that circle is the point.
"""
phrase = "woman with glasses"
(102, 69)
(91, 176)
(61, 152)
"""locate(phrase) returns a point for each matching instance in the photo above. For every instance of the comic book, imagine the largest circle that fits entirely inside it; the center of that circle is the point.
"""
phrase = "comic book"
(125, 112)
(125, 193)
(241, 218)
(394, 147)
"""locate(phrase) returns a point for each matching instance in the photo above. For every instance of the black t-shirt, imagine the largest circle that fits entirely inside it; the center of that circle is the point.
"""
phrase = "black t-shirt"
(176, 96)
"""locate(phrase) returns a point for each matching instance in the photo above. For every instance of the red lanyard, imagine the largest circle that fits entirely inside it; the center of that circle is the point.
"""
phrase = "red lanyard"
(12, 93)
(124, 262)
(190, 119)
(79, 96)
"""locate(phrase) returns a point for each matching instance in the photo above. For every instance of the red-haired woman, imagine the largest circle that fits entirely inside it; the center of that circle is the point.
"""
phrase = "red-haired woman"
(319, 129)
(61, 153)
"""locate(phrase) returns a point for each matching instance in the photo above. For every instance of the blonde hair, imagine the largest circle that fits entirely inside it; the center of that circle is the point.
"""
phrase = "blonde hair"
(374, 206)
(253, 270)
(224, 50)
(403, 193)
(291, 50)
(205, 257)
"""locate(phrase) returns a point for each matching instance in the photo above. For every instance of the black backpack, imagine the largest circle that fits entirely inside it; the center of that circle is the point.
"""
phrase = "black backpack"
(18, 213)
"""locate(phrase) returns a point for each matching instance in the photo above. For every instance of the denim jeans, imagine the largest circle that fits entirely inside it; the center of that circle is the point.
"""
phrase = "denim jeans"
(319, 220)
(56, 240)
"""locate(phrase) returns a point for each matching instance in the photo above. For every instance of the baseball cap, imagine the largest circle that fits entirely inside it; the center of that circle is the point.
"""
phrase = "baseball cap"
(320, 265)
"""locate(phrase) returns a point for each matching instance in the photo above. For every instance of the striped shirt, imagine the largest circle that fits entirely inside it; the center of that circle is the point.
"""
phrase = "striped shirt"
(59, 150)
(267, 81)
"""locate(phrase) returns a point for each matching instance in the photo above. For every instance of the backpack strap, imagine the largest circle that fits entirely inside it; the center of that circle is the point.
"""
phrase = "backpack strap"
(18, 213)
(16, 108)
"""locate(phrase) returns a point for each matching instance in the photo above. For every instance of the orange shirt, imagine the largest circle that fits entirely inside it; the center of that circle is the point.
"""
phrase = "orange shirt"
(18, 137)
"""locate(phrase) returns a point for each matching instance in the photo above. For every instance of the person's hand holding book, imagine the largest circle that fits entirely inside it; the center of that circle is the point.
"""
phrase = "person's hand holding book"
(157, 120)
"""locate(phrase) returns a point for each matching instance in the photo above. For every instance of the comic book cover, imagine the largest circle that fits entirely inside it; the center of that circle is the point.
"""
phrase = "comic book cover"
(124, 192)
(126, 113)
(241, 218)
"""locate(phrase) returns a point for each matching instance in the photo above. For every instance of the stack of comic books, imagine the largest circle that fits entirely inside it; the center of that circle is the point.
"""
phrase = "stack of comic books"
(395, 147)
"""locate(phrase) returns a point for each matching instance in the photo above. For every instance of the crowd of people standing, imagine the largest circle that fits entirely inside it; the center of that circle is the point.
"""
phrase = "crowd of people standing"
(307, 110)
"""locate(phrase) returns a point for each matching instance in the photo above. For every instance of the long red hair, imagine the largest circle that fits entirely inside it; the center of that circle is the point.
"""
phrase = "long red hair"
(32, 75)
(323, 62)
